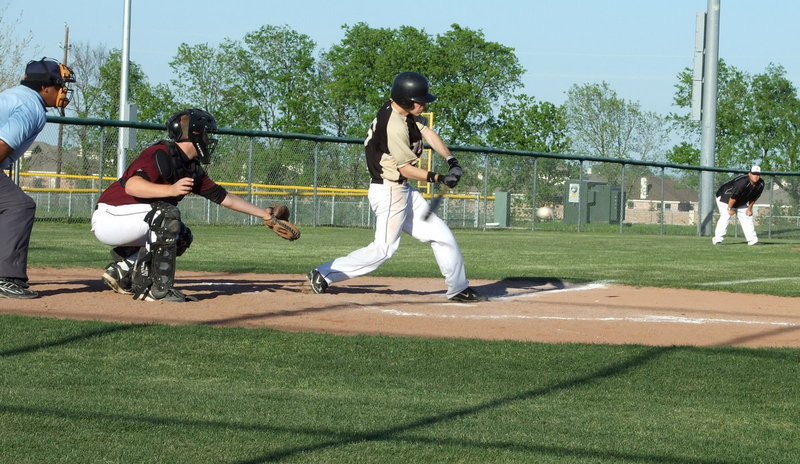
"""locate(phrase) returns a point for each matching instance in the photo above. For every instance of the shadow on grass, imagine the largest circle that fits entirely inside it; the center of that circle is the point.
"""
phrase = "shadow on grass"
(70, 340)
(394, 433)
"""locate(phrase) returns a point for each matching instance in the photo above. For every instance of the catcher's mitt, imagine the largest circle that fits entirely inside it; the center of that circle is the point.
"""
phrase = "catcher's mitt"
(278, 221)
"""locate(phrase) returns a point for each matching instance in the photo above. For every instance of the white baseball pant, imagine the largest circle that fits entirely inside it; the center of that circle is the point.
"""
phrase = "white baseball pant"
(747, 222)
(401, 208)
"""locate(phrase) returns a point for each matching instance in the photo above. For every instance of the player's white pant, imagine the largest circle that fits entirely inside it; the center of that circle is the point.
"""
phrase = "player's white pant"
(747, 222)
(121, 225)
(400, 208)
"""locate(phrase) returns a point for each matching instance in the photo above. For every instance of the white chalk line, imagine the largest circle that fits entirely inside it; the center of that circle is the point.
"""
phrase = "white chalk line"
(578, 288)
(736, 282)
(645, 318)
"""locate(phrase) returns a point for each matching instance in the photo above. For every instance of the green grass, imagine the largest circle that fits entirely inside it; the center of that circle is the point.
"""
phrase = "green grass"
(97, 392)
(642, 260)
(75, 391)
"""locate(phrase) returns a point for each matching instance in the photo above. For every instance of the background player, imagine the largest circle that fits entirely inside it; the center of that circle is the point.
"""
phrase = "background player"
(393, 146)
(737, 196)
(22, 117)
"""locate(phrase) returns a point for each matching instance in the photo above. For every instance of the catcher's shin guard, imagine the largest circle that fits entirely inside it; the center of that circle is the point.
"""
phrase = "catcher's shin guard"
(157, 267)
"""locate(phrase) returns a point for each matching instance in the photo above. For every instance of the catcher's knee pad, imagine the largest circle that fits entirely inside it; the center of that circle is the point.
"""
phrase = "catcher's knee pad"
(162, 243)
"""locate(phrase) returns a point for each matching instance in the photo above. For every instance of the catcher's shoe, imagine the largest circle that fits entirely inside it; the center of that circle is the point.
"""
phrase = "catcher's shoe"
(118, 279)
(173, 295)
(468, 295)
(15, 288)
(318, 283)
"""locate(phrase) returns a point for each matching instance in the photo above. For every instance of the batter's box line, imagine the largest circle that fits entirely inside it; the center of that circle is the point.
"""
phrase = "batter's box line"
(652, 319)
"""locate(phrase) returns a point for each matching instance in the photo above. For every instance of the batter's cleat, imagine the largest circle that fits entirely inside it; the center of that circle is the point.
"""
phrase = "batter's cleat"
(117, 279)
(173, 296)
(15, 288)
(318, 284)
(468, 295)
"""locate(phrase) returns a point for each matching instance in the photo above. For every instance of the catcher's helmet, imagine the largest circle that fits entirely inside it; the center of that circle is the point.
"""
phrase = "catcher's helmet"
(194, 125)
(410, 87)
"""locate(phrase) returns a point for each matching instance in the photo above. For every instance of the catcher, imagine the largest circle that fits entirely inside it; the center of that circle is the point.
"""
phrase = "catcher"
(138, 214)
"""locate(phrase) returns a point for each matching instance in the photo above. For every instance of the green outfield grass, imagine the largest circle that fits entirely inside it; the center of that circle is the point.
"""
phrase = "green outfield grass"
(75, 391)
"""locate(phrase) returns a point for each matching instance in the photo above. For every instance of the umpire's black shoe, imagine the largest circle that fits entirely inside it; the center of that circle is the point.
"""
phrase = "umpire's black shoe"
(468, 295)
(15, 288)
(318, 283)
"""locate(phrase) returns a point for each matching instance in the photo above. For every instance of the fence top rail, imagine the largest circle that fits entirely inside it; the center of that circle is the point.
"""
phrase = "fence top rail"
(455, 148)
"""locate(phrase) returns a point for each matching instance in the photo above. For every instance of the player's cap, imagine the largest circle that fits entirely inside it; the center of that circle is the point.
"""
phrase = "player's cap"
(755, 169)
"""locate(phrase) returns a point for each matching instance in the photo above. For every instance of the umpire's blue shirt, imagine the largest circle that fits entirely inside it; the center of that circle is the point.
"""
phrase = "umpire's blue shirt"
(22, 116)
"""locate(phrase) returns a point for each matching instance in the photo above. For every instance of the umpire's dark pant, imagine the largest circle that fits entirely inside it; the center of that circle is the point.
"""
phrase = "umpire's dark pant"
(17, 211)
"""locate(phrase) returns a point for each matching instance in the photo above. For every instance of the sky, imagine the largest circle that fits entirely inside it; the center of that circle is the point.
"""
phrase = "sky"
(637, 46)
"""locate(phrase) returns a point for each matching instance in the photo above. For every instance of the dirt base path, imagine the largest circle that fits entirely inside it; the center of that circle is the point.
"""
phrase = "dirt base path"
(543, 311)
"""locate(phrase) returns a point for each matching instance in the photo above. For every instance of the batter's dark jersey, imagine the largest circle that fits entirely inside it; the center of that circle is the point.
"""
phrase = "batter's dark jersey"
(741, 189)
(174, 164)
(391, 144)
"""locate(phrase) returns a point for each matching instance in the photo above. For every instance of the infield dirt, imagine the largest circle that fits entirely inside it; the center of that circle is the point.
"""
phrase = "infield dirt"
(527, 310)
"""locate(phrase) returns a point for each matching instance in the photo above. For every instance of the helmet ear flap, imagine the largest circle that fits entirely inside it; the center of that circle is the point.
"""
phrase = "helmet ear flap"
(174, 128)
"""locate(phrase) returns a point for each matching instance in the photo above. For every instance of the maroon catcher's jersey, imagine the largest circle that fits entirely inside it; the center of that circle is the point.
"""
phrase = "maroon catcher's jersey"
(178, 165)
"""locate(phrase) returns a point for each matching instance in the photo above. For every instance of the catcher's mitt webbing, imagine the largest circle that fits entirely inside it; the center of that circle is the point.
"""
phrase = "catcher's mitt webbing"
(280, 212)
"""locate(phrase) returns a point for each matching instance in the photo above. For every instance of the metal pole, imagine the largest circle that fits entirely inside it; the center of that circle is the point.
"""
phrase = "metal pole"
(59, 150)
(123, 87)
(315, 199)
(662, 203)
(535, 188)
(621, 212)
(486, 189)
(771, 202)
(580, 194)
(709, 118)
(250, 194)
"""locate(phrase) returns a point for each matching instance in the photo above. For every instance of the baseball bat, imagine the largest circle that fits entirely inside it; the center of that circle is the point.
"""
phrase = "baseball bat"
(433, 206)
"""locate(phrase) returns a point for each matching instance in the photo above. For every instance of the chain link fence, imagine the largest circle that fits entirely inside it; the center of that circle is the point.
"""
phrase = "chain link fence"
(324, 181)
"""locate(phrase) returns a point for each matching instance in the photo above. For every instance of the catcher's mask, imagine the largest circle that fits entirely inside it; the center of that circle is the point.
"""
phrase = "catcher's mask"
(47, 72)
(409, 87)
(194, 125)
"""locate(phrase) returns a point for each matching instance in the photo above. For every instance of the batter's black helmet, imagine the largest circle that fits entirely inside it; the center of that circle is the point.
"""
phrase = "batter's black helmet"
(194, 125)
(410, 87)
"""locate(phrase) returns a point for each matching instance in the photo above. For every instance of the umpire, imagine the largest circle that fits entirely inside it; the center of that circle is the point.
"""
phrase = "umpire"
(22, 117)
(737, 196)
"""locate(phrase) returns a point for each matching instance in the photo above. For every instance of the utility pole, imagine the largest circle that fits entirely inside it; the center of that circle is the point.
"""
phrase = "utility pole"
(709, 119)
(61, 111)
(123, 87)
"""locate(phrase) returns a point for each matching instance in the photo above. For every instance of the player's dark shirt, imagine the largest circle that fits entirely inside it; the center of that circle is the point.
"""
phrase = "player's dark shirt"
(741, 189)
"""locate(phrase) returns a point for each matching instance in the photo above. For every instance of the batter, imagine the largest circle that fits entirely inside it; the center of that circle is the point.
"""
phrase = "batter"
(393, 146)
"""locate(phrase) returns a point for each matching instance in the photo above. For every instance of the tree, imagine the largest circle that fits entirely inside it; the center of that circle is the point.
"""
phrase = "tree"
(732, 96)
(604, 125)
(758, 117)
(154, 103)
(471, 76)
(207, 81)
(15, 50)
(468, 74)
(358, 73)
(525, 124)
(277, 72)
